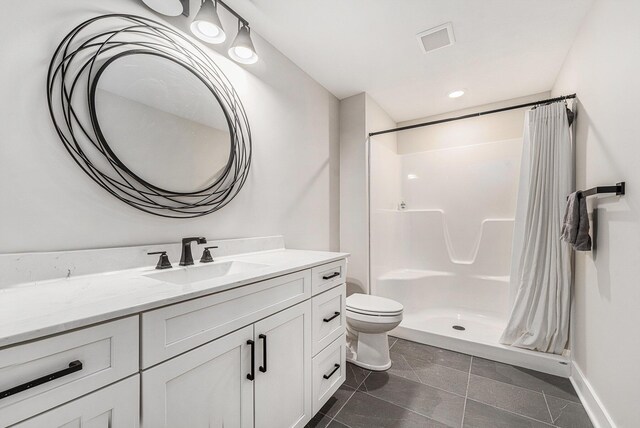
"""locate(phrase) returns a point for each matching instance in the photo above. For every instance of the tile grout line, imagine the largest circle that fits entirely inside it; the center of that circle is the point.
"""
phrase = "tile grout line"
(426, 384)
(431, 418)
(411, 367)
(537, 391)
(402, 407)
(513, 413)
(393, 344)
(434, 361)
(466, 393)
(548, 408)
(495, 406)
(340, 409)
(347, 400)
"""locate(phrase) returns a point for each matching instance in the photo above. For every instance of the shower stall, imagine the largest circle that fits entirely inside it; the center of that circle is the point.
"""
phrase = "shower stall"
(441, 229)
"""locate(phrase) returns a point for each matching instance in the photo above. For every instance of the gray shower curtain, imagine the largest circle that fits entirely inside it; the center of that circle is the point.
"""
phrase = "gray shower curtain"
(541, 263)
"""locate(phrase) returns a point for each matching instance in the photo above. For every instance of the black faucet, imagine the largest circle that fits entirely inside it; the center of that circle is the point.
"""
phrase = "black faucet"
(186, 259)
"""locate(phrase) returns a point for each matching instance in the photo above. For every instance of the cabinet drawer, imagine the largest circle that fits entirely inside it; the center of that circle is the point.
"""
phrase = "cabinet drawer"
(328, 312)
(117, 406)
(175, 329)
(329, 372)
(328, 276)
(107, 353)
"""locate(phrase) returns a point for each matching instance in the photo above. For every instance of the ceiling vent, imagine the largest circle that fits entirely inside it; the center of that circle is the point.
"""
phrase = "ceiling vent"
(436, 38)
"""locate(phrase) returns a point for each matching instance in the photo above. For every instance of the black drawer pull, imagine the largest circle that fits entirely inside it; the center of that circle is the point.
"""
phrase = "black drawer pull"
(251, 375)
(74, 366)
(331, 275)
(332, 317)
(263, 367)
(335, 369)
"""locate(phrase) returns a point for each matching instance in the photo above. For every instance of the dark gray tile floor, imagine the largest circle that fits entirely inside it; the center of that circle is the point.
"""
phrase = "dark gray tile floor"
(433, 387)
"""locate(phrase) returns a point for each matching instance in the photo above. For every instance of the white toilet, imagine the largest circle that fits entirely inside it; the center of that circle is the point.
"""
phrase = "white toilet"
(369, 319)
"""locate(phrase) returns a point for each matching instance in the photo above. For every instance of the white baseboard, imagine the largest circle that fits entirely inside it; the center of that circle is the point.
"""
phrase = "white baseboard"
(597, 413)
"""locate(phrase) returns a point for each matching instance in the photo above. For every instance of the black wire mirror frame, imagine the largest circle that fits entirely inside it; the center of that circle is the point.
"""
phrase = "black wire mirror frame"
(82, 56)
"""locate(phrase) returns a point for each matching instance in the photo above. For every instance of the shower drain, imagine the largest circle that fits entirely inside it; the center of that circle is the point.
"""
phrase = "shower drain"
(458, 327)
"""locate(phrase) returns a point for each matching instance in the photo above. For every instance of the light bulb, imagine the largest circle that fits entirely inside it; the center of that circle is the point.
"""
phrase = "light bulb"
(207, 26)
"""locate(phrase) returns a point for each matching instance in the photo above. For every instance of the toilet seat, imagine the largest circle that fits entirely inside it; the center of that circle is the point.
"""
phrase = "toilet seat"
(375, 306)
(374, 318)
(373, 313)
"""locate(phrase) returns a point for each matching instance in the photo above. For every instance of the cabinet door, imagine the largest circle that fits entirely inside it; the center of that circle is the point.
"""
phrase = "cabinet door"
(206, 387)
(116, 406)
(283, 386)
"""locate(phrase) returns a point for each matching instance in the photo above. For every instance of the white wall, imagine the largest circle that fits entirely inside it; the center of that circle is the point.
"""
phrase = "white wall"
(48, 203)
(484, 129)
(385, 181)
(602, 68)
(354, 225)
(359, 115)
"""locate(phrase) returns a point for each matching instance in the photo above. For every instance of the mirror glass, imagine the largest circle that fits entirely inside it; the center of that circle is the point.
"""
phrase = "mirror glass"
(162, 122)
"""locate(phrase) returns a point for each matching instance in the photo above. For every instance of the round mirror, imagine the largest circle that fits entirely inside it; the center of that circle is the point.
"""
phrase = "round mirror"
(161, 121)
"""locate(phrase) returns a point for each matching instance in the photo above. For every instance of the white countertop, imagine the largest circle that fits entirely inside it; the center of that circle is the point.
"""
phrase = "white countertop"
(33, 310)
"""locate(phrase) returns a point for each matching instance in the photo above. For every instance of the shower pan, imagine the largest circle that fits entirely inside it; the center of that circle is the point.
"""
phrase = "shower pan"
(445, 254)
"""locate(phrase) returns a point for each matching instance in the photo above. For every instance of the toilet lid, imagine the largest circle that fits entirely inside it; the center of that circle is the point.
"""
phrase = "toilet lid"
(368, 304)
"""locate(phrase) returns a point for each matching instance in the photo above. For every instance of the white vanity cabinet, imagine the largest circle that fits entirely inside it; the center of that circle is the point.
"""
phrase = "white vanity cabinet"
(261, 372)
(267, 354)
(283, 379)
(40, 375)
(232, 381)
(205, 387)
(114, 406)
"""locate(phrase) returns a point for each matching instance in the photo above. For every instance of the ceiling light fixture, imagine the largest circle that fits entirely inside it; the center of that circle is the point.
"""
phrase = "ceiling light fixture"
(456, 94)
(206, 25)
(242, 49)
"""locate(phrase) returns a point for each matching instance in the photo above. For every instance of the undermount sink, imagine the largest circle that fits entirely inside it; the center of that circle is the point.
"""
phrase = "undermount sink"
(199, 273)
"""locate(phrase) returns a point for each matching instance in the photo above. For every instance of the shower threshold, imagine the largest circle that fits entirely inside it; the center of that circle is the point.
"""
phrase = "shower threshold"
(477, 336)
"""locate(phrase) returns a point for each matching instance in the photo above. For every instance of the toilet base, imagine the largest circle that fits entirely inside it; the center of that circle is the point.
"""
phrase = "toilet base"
(370, 367)
(369, 351)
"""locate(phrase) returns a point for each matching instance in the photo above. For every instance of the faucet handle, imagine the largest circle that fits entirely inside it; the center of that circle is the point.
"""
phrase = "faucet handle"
(206, 255)
(163, 262)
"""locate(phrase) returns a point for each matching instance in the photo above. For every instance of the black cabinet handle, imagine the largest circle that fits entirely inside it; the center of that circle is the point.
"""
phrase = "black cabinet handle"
(251, 375)
(74, 366)
(335, 369)
(332, 317)
(332, 275)
(263, 367)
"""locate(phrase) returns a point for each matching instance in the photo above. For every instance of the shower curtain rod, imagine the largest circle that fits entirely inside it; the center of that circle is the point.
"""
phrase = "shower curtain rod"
(468, 116)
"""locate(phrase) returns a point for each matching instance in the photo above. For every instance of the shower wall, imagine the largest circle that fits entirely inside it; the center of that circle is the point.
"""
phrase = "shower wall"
(450, 246)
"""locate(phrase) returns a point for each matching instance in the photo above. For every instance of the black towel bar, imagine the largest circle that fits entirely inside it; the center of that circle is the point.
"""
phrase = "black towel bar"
(618, 189)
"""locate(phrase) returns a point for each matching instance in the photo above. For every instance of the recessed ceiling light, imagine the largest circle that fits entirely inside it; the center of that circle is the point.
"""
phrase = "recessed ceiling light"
(456, 94)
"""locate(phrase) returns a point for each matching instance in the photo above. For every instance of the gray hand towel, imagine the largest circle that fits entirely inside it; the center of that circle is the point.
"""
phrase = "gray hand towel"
(575, 225)
(583, 240)
(569, 231)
